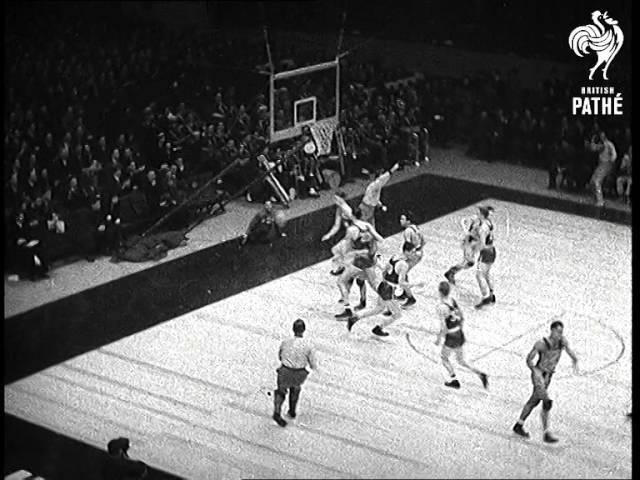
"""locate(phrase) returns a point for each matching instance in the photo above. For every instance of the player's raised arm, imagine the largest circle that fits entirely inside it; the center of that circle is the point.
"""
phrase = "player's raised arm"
(373, 232)
(335, 227)
(344, 206)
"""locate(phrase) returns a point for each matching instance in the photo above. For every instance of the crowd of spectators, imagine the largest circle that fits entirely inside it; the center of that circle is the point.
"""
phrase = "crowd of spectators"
(103, 120)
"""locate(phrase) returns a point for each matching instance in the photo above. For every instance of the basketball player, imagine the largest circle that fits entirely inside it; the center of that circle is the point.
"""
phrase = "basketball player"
(359, 265)
(371, 198)
(548, 351)
(295, 354)
(343, 218)
(470, 248)
(486, 258)
(451, 321)
(412, 236)
(394, 275)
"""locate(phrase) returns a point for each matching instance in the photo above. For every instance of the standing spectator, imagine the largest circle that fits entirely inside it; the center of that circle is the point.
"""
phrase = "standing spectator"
(61, 168)
(606, 160)
(26, 249)
(13, 194)
(152, 191)
(624, 178)
(295, 354)
(112, 224)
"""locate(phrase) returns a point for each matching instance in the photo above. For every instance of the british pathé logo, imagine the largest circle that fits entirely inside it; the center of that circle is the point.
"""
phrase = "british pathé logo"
(604, 38)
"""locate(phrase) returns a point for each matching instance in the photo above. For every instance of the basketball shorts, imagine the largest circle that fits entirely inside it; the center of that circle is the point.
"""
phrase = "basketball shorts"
(291, 377)
(455, 340)
(540, 385)
(385, 290)
(487, 255)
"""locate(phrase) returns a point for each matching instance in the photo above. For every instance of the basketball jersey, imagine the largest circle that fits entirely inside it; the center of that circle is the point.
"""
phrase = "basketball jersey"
(412, 233)
(366, 260)
(359, 244)
(549, 358)
(390, 274)
(473, 233)
(454, 319)
(486, 227)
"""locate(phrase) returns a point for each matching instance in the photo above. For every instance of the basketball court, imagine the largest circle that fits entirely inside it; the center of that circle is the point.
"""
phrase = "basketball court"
(193, 390)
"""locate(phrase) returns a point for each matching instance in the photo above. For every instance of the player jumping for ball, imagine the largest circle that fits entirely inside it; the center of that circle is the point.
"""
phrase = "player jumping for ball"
(343, 219)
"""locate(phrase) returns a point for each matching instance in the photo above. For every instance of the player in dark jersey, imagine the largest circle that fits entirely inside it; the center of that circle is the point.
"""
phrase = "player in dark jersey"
(393, 276)
(548, 351)
(486, 258)
(451, 321)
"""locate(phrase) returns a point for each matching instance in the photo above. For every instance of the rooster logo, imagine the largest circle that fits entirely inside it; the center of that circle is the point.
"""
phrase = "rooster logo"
(604, 38)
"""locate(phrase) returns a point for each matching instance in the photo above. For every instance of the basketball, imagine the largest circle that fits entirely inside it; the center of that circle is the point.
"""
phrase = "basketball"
(280, 218)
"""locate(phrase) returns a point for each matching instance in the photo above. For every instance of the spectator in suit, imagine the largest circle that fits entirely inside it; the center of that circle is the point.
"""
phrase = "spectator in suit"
(112, 223)
(101, 153)
(74, 197)
(48, 150)
(152, 191)
(26, 249)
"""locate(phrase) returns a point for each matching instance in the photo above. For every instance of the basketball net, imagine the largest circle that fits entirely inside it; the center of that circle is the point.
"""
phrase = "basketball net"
(322, 132)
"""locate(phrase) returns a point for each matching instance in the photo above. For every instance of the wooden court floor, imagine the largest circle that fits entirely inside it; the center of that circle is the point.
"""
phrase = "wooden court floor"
(192, 391)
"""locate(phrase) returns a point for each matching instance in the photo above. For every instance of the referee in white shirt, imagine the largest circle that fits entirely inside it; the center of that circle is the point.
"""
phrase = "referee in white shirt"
(295, 354)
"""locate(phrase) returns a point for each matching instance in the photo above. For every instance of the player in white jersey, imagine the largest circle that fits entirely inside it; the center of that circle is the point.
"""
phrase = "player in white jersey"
(343, 219)
(486, 258)
(371, 198)
(548, 351)
(470, 247)
(359, 261)
(412, 236)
